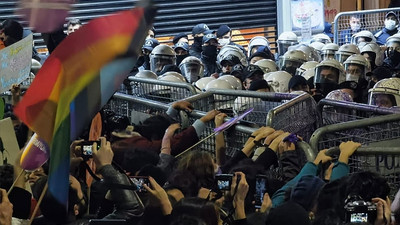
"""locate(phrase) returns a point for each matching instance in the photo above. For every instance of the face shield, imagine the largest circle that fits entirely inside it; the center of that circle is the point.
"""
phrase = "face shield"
(328, 54)
(393, 43)
(326, 79)
(283, 46)
(354, 72)
(341, 56)
(289, 65)
(192, 71)
(381, 99)
(360, 39)
(157, 62)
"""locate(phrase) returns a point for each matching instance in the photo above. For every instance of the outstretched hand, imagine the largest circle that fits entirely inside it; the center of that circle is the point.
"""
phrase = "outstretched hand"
(183, 105)
(347, 149)
(209, 116)
(322, 157)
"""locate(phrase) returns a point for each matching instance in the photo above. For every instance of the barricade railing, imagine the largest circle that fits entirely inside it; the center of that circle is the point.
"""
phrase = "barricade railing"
(382, 160)
(158, 90)
(298, 116)
(333, 112)
(377, 131)
(140, 108)
(235, 137)
(372, 20)
(235, 102)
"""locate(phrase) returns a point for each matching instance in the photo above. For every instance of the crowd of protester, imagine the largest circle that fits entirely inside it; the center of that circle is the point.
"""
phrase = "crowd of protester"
(138, 180)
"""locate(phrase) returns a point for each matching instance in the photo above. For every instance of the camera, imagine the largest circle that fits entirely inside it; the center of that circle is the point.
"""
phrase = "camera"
(359, 211)
(224, 181)
(86, 148)
(139, 181)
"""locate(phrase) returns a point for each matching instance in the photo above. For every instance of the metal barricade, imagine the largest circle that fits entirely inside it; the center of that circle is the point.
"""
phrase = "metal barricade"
(235, 138)
(382, 160)
(139, 108)
(234, 102)
(135, 108)
(371, 20)
(298, 115)
(158, 90)
(379, 131)
(333, 112)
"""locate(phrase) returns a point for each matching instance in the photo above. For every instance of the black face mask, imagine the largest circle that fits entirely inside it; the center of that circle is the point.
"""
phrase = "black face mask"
(198, 41)
(146, 59)
(326, 86)
(179, 58)
(290, 69)
(210, 51)
(140, 61)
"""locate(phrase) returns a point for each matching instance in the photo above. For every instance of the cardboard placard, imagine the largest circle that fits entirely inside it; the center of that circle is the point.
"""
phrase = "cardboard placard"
(15, 63)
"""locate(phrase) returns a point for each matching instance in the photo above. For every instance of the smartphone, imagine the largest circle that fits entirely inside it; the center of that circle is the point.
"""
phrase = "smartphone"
(359, 217)
(139, 181)
(86, 148)
(261, 189)
(224, 181)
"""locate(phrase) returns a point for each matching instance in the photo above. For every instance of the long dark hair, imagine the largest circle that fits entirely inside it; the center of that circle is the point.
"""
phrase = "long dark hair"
(198, 208)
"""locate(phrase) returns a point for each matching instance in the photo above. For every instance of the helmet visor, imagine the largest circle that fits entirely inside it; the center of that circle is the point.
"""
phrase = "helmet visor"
(326, 74)
(341, 57)
(192, 71)
(157, 62)
(381, 99)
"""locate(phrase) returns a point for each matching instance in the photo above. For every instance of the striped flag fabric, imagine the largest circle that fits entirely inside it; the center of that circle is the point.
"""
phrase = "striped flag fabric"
(77, 79)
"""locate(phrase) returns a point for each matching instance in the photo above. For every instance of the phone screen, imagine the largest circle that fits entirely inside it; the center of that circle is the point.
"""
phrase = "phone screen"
(139, 182)
(87, 148)
(224, 181)
(359, 217)
(261, 189)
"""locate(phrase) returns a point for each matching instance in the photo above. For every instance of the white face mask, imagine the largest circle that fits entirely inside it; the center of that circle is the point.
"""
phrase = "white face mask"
(223, 41)
(351, 77)
(355, 26)
(390, 24)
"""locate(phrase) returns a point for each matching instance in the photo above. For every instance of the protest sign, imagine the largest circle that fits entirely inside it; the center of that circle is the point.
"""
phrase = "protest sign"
(15, 63)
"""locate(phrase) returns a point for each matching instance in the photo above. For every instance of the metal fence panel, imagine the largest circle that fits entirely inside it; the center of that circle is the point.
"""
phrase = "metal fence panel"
(162, 91)
(380, 130)
(298, 115)
(371, 20)
(235, 102)
(136, 107)
(382, 160)
(333, 112)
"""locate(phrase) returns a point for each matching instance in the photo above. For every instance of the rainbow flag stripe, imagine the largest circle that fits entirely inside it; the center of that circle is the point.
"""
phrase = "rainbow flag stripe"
(81, 62)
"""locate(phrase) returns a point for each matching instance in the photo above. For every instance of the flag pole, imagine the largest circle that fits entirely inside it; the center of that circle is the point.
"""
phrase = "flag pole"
(15, 181)
(199, 142)
(38, 203)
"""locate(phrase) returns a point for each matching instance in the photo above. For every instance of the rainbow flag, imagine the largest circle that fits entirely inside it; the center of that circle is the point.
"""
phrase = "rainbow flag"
(78, 78)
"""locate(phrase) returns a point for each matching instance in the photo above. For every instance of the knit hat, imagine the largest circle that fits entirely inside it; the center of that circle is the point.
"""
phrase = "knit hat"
(306, 190)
